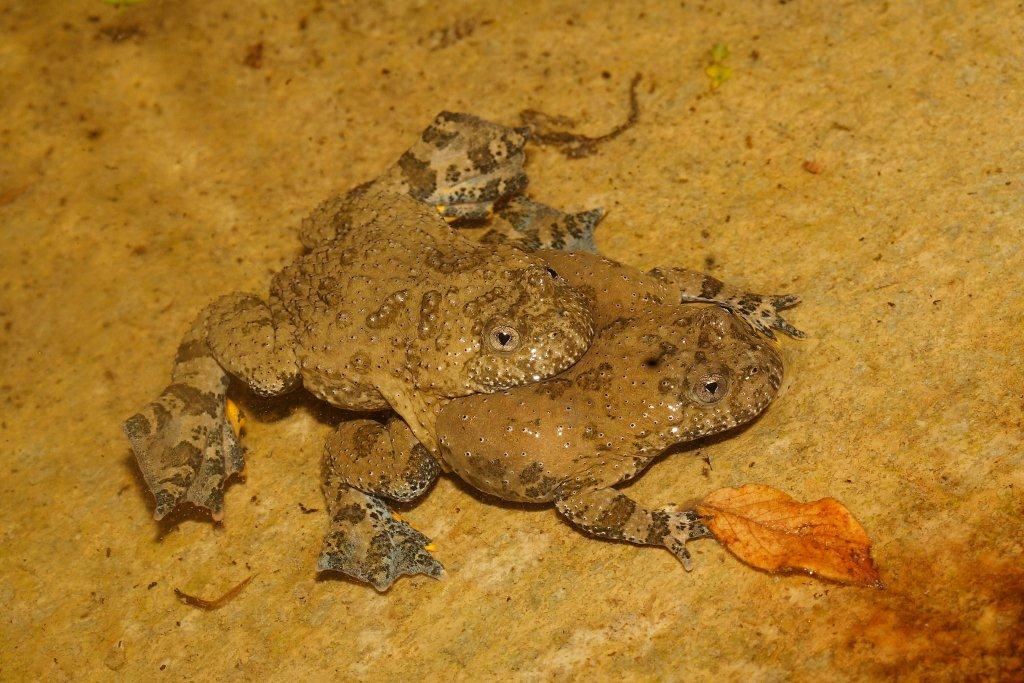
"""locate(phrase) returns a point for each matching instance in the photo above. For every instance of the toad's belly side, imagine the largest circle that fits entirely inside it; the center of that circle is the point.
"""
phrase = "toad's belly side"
(522, 445)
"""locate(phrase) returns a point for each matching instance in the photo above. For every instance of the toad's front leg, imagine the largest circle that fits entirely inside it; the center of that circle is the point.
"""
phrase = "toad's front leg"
(762, 311)
(184, 442)
(364, 460)
(607, 513)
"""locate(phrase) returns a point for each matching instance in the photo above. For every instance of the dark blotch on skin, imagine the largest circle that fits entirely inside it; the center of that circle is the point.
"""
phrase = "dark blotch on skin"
(350, 513)
(531, 473)
(137, 426)
(556, 387)
(364, 440)
(658, 529)
(710, 287)
(493, 469)
(191, 350)
(483, 160)
(429, 319)
(545, 489)
(162, 415)
(195, 401)
(616, 515)
(438, 138)
(422, 179)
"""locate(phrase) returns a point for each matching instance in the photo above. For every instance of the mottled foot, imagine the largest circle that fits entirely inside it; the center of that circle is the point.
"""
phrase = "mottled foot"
(682, 527)
(187, 448)
(369, 544)
(532, 225)
(461, 165)
(762, 311)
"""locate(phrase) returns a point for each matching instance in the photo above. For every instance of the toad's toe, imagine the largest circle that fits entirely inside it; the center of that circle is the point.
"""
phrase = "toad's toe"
(682, 527)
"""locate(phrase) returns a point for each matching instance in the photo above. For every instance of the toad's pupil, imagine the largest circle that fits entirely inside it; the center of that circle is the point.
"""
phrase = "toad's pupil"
(712, 387)
(552, 272)
(504, 338)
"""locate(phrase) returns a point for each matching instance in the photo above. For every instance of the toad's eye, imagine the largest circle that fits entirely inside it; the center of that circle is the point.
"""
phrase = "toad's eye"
(551, 271)
(503, 338)
(710, 388)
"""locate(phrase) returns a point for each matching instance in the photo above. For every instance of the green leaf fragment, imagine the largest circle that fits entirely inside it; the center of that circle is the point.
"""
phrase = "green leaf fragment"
(717, 72)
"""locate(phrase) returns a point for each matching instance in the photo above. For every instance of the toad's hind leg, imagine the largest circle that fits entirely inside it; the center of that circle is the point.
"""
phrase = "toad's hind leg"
(607, 513)
(382, 460)
(364, 461)
(531, 225)
(462, 165)
(184, 442)
(762, 311)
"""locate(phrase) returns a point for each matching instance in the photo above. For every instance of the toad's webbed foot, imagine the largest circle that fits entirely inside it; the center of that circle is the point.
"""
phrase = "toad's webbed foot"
(185, 446)
(364, 459)
(461, 165)
(767, 311)
(760, 310)
(366, 542)
(531, 225)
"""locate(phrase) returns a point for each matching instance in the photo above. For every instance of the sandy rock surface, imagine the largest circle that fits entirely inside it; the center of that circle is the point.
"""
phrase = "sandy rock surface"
(867, 156)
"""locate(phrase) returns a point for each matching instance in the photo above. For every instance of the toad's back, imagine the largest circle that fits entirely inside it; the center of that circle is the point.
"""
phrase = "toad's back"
(398, 311)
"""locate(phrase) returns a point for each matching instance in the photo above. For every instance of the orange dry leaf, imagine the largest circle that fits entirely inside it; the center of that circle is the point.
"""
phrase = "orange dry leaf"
(769, 530)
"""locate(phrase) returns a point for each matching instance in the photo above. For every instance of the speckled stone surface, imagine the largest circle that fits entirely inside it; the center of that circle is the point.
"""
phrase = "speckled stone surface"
(868, 156)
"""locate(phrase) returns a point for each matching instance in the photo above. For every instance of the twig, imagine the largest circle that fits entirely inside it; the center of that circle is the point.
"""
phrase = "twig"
(216, 603)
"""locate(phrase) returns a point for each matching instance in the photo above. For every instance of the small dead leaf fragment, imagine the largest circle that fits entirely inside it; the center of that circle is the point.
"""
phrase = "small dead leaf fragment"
(770, 530)
(203, 603)
(811, 167)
